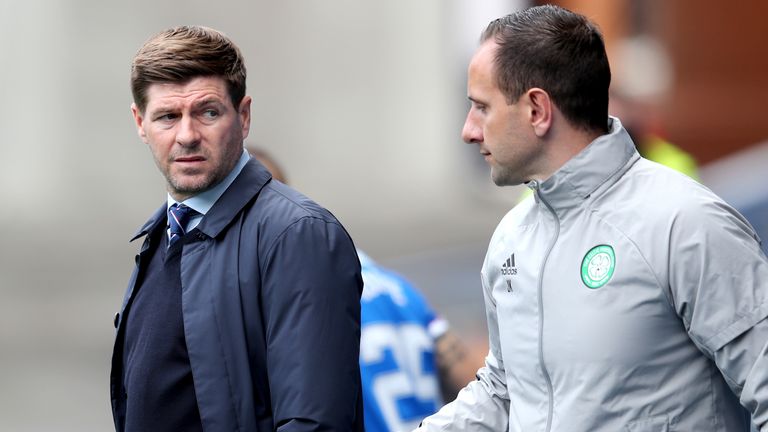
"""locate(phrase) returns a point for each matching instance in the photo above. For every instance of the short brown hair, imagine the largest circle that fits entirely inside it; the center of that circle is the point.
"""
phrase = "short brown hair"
(179, 54)
(558, 51)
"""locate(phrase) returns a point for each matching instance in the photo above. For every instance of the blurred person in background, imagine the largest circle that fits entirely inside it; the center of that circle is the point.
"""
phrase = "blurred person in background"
(410, 361)
(644, 128)
(623, 295)
(243, 310)
(639, 85)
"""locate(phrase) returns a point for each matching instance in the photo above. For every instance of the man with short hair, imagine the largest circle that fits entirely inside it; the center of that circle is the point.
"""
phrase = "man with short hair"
(243, 309)
(622, 295)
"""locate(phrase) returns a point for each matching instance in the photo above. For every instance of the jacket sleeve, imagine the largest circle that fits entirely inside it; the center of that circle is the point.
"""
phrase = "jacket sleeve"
(483, 405)
(311, 288)
(719, 284)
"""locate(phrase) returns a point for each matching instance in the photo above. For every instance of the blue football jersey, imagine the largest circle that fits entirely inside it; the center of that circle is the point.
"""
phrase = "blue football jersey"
(397, 345)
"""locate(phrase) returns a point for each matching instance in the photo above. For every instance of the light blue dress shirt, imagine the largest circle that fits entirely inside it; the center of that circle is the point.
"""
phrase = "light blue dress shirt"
(203, 201)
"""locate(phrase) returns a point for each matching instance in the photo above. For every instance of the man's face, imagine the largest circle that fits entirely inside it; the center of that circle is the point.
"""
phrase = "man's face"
(501, 130)
(194, 132)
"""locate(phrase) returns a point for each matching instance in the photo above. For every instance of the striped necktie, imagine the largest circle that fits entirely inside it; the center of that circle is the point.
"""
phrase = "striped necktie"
(178, 218)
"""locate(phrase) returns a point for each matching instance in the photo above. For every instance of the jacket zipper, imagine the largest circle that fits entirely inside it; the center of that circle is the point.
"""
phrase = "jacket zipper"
(550, 392)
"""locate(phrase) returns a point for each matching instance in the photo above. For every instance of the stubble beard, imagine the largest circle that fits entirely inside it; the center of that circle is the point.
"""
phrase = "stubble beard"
(503, 176)
(181, 184)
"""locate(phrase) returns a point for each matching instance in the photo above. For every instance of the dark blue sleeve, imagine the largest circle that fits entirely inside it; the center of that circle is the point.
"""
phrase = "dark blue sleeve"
(311, 290)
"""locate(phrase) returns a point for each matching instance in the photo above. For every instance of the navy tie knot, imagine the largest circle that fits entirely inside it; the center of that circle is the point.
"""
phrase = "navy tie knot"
(178, 218)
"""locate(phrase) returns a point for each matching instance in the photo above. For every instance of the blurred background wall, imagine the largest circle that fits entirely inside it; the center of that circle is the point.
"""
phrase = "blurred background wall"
(362, 103)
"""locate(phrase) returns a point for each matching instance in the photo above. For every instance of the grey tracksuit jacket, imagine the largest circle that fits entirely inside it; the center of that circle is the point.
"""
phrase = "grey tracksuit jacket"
(622, 296)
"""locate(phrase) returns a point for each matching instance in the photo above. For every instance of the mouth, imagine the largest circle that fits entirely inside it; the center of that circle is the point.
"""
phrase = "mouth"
(189, 159)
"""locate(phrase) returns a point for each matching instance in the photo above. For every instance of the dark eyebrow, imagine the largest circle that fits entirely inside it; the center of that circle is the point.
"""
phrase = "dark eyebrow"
(170, 108)
(163, 109)
(208, 101)
(475, 100)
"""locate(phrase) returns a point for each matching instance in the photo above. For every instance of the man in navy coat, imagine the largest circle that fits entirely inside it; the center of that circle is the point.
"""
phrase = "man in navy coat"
(243, 309)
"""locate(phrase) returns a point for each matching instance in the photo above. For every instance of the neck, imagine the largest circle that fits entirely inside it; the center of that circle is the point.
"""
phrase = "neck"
(563, 143)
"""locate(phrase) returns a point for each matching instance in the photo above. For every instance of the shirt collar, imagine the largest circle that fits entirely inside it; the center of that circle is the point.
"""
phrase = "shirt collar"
(603, 161)
(203, 201)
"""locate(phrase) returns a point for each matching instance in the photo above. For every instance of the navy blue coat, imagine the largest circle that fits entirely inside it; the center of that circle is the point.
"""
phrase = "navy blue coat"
(270, 299)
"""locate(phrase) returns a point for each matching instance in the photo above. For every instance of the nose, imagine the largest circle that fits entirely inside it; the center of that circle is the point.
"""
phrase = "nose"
(187, 135)
(472, 133)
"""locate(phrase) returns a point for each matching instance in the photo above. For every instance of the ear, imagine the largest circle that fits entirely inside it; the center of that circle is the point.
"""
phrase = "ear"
(244, 112)
(138, 117)
(540, 110)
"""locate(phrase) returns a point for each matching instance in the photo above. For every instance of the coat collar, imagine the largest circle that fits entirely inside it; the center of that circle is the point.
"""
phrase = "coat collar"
(243, 189)
(604, 160)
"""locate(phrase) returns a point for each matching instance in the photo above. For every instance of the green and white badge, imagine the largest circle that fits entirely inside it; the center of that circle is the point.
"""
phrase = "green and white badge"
(597, 266)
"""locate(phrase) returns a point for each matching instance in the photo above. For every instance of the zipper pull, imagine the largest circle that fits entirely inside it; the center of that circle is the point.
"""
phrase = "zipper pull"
(533, 185)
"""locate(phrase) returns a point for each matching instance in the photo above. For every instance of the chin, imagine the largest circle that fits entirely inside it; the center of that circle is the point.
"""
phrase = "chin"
(190, 187)
(502, 181)
(505, 177)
